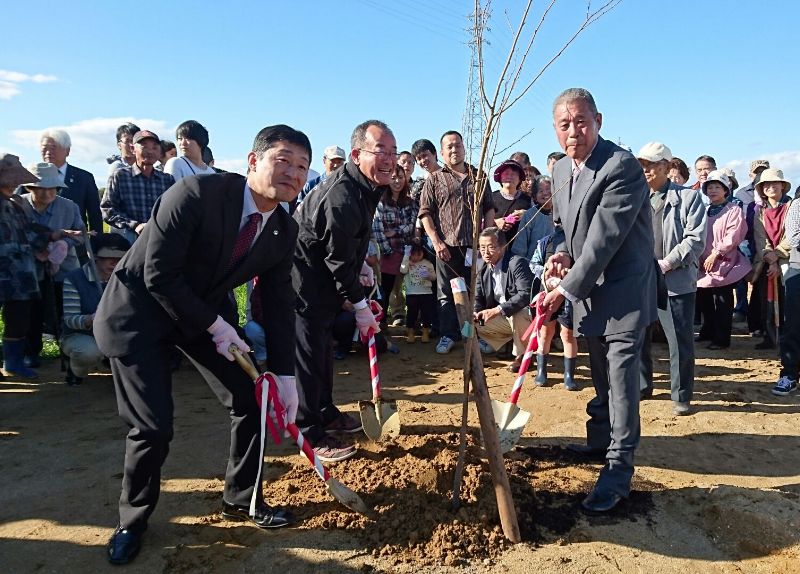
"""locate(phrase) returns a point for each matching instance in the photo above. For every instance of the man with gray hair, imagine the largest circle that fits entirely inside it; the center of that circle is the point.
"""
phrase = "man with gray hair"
(80, 188)
(603, 263)
(679, 230)
(329, 270)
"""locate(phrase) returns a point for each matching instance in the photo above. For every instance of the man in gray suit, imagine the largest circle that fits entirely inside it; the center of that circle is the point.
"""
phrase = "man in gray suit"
(604, 264)
(679, 229)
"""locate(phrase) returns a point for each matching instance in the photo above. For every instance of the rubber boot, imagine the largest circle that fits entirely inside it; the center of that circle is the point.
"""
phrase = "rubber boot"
(569, 373)
(14, 365)
(410, 335)
(541, 370)
(426, 335)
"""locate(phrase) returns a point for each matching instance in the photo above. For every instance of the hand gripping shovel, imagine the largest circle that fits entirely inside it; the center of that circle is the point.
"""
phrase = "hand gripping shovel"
(267, 392)
(509, 418)
(378, 417)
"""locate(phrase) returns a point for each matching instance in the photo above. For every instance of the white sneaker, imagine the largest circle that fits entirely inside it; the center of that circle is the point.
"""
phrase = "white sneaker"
(445, 345)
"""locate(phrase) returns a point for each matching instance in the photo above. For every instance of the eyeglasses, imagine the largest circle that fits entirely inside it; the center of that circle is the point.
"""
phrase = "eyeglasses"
(381, 154)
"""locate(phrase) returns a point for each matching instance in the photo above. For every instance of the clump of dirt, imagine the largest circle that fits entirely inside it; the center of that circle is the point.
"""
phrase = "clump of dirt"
(409, 480)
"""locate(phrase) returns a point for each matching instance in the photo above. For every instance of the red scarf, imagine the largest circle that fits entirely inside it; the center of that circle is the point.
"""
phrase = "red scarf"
(773, 222)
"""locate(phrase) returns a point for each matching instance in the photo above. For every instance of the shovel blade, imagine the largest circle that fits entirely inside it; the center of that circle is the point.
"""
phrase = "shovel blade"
(380, 419)
(510, 421)
(347, 497)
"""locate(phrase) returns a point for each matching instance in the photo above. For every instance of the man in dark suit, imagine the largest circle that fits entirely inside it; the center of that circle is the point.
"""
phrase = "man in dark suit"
(174, 288)
(502, 294)
(81, 188)
(605, 241)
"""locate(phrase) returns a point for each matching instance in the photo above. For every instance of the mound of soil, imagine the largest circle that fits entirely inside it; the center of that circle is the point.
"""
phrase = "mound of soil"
(408, 481)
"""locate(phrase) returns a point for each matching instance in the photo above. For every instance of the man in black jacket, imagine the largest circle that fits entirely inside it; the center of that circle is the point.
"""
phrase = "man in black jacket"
(502, 294)
(335, 225)
(206, 236)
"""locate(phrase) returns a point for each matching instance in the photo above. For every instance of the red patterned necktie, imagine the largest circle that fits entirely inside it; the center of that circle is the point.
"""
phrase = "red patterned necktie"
(244, 240)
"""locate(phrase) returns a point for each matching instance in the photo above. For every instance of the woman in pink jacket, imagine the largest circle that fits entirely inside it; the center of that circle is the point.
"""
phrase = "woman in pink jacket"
(721, 263)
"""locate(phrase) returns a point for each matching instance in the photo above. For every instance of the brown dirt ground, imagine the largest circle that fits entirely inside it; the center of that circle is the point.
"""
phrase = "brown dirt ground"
(715, 492)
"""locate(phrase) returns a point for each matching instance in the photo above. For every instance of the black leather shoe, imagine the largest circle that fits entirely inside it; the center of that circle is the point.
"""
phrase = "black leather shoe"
(587, 452)
(646, 394)
(266, 516)
(123, 546)
(72, 379)
(600, 501)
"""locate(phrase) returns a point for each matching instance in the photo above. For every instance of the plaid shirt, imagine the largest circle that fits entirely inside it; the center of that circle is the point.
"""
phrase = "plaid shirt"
(393, 217)
(448, 199)
(130, 196)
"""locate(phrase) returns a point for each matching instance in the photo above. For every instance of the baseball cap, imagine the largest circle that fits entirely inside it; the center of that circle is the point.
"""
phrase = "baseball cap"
(145, 134)
(654, 151)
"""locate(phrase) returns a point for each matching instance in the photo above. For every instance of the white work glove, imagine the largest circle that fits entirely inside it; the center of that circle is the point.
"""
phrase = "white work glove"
(664, 266)
(365, 321)
(224, 336)
(407, 251)
(287, 393)
(367, 276)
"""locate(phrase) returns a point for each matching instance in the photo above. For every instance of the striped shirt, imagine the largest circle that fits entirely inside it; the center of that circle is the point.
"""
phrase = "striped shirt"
(72, 304)
(130, 196)
(448, 198)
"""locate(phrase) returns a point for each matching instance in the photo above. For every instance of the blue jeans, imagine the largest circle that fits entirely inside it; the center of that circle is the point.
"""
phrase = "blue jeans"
(258, 338)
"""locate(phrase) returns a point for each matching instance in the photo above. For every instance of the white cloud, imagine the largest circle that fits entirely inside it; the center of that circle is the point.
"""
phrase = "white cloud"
(9, 82)
(788, 161)
(234, 165)
(8, 90)
(92, 141)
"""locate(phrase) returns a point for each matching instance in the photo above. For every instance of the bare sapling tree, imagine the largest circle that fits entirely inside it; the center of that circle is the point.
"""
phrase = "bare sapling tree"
(511, 85)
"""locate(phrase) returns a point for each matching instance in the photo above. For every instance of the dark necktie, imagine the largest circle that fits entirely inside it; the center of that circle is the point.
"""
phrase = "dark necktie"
(244, 240)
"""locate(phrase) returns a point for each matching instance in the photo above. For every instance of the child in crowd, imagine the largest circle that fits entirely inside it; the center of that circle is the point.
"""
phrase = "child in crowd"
(420, 301)
(544, 249)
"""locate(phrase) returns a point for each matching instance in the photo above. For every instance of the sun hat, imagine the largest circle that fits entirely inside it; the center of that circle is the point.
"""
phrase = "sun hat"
(48, 176)
(757, 163)
(654, 151)
(509, 164)
(718, 176)
(772, 174)
(12, 173)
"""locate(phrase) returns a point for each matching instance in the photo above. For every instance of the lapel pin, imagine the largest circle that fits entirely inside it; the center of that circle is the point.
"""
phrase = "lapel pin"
(275, 232)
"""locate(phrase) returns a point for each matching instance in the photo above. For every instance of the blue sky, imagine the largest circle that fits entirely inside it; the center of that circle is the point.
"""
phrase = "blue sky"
(712, 77)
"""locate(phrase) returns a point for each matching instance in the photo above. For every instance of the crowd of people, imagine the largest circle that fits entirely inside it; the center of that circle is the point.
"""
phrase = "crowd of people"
(614, 242)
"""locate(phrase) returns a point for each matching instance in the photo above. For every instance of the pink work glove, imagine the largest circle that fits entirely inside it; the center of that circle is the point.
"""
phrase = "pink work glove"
(224, 336)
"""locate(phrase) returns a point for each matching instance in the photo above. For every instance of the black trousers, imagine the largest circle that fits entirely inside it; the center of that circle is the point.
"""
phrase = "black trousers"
(445, 271)
(716, 308)
(790, 330)
(143, 384)
(421, 307)
(46, 313)
(16, 318)
(314, 370)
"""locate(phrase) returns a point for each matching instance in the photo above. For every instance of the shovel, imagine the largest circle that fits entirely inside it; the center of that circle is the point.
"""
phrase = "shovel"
(266, 392)
(378, 417)
(509, 418)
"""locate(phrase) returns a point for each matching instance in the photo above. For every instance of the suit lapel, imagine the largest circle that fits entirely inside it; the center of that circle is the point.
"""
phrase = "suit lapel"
(231, 218)
(582, 185)
(254, 260)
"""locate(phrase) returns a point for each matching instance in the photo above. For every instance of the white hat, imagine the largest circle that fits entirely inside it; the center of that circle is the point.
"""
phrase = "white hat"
(772, 174)
(654, 151)
(334, 151)
(48, 175)
(719, 177)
